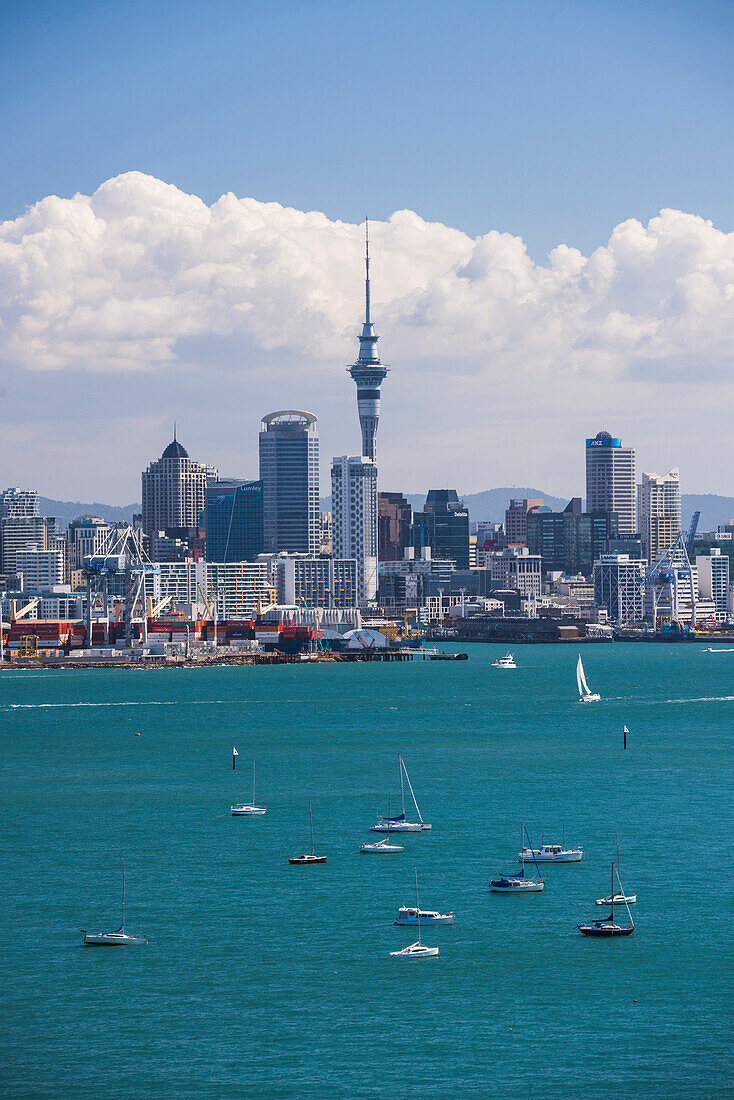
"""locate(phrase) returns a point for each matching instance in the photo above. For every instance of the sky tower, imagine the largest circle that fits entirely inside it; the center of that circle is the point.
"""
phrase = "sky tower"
(368, 372)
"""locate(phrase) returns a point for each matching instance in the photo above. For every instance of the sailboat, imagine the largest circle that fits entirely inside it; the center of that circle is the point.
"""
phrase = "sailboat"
(399, 823)
(416, 950)
(309, 857)
(608, 926)
(118, 938)
(248, 808)
(619, 898)
(585, 694)
(516, 883)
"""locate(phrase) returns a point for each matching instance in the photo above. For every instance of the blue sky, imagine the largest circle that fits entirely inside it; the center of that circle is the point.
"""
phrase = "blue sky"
(552, 123)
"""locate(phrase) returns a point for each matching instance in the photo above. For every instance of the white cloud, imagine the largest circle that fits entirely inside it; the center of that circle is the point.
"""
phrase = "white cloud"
(133, 277)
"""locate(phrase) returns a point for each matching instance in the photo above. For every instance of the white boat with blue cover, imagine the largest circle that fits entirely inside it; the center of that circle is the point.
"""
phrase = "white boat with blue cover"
(117, 938)
(516, 883)
(400, 824)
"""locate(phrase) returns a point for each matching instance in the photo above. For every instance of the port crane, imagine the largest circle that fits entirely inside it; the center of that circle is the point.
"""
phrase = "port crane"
(673, 565)
(121, 557)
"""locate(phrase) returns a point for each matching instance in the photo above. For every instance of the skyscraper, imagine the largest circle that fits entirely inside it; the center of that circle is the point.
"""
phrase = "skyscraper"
(289, 471)
(393, 525)
(610, 479)
(444, 526)
(368, 372)
(174, 492)
(659, 511)
(354, 518)
(233, 520)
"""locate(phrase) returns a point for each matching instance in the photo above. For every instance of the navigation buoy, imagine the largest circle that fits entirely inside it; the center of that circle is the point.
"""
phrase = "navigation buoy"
(137, 735)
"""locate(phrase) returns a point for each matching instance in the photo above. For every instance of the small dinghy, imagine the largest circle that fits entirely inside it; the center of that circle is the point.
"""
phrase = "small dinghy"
(248, 809)
(586, 695)
(416, 950)
(308, 857)
(508, 661)
(118, 938)
(516, 883)
(608, 926)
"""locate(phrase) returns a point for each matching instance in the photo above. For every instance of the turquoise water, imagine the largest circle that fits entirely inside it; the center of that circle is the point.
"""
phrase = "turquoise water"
(267, 980)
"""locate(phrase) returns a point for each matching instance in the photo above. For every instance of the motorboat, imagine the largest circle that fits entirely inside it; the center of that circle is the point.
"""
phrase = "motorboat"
(551, 853)
(382, 846)
(409, 915)
(586, 695)
(248, 809)
(417, 950)
(308, 857)
(119, 937)
(516, 883)
(618, 899)
(508, 661)
(400, 823)
(608, 927)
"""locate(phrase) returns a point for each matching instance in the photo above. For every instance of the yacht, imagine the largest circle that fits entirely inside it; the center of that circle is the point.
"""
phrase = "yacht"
(608, 926)
(417, 950)
(248, 809)
(586, 695)
(400, 824)
(409, 915)
(382, 846)
(551, 853)
(308, 857)
(118, 938)
(517, 883)
(508, 661)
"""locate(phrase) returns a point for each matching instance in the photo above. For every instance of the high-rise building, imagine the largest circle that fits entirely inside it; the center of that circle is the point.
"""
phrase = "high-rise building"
(619, 586)
(571, 540)
(368, 372)
(18, 502)
(354, 518)
(40, 568)
(516, 520)
(233, 520)
(86, 535)
(443, 525)
(17, 533)
(713, 580)
(317, 582)
(289, 472)
(610, 479)
(516, 568)
(658, 500)
(393, 524)
(174, 493)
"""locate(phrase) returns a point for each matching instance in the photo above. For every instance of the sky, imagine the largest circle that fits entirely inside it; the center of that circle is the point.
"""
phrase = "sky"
(181, 199)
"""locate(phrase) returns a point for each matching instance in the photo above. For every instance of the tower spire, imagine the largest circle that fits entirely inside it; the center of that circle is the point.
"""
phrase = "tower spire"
(368, 372)
(367, 269)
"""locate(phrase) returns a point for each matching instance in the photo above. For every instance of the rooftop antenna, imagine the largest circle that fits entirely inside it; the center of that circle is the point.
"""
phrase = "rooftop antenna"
(174, 431)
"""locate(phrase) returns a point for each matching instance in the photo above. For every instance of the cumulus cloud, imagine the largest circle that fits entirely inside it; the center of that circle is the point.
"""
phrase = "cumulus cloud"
(120, 280)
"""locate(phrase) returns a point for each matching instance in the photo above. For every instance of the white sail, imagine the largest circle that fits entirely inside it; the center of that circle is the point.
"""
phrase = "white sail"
(581, 679)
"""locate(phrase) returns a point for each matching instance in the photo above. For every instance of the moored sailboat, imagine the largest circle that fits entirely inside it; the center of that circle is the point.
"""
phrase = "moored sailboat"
(248, 809)
(119, 937)
(608, 927)
(399, 823)
(416, 950)
(620, 898)
(308, 857)
(516, 883)
(586, 695)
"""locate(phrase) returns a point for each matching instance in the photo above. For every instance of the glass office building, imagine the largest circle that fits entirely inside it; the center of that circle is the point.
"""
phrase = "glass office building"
(233, 520)
(289, 472)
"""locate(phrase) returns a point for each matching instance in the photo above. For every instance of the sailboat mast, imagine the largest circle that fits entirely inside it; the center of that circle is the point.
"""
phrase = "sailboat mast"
(612, 893)
(310, 821)
(417, 904)
(123, 894)
(402, 788)
(253, 782)
(412, 793)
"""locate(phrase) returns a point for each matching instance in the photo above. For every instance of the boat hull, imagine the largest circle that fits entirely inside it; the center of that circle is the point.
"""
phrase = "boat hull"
(605, 931)
(566, 857)
(415, 951)
(407, 827)
(302, 860)
(520, 888)
(112, 939)
(426, 918)
(592, 698)
(247, 811)
(630, 899)
(384, 849)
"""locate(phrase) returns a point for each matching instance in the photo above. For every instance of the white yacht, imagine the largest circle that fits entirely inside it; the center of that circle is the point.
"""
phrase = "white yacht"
(586, 695)
(508, 661)
(417, 950)
(409, 915)
(618, 899)
(382, 846)
(400, 824)
(551, 853)
(517, 883)
(118, 938)
(248, 809)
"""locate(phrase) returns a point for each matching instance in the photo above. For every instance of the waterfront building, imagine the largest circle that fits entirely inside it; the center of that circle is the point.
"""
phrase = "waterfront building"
(619, 586)
(86, 536)
(289, 472)
(40, 569)
(406, 583)
(18, 532)
(659, 512)
(394, 516)
(610, 480)
(713, 580)
(572, 540)
(174, 493)
(516, 520)
(354, 518)
(443, 525)
(233, 520)
(18, 503)
(316, 582)
(515, 567)
(234, 587)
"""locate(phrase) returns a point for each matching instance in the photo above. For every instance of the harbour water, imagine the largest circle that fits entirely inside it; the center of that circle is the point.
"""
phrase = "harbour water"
(266, 980)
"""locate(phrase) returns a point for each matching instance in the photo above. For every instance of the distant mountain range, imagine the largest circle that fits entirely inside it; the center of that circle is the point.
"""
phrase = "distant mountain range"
(488, 506)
